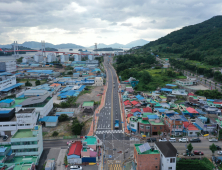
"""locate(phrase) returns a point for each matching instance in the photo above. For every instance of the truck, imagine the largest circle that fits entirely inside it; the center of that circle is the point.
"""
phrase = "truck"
(116, 124)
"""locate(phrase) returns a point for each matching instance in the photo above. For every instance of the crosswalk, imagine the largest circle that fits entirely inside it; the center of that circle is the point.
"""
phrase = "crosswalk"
(114, 165)
(109, 131)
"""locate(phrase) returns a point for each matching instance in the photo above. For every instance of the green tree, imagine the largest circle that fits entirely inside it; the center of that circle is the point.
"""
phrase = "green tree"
(198, 134)
(63, 117)
(190, 148)
(69, 72)
(28, 83)
(55, 133)
(220, 134)
(213, 148)
(76, 127)
(37, 82)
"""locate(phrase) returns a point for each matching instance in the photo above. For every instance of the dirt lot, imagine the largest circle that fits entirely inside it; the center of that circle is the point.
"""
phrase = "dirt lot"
(92, 96)
(63, 128)
(86, 127)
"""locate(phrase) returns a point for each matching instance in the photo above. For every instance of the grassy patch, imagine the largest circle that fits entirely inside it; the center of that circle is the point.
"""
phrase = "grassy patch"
(181, 77)
(44, 133)
(179, 101)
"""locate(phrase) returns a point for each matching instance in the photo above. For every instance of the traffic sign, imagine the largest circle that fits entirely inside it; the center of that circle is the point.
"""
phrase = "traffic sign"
(110, 156)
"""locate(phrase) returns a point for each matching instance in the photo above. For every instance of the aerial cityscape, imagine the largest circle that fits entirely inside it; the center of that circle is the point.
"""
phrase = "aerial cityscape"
(110, 85)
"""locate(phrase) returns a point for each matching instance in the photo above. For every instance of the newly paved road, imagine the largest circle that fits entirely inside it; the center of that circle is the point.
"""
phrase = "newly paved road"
(111, 111)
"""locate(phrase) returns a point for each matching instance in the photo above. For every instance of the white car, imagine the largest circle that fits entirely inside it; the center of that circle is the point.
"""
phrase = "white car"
(213, 140)
(162, 140)
(172, 140)
(76, 167)
(183, 140)
(219, 152)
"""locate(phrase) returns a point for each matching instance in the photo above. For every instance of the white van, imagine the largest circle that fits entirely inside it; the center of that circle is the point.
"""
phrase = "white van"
(172, 140)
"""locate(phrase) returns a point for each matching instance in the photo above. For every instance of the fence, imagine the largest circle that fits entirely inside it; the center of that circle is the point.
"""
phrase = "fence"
(74, 137)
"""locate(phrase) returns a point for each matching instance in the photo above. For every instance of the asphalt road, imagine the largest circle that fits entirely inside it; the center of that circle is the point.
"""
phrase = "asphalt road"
(111, 111)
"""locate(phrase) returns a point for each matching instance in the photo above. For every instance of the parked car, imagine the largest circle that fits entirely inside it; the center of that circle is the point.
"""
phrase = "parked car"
(151, 140)
(172, 140)
(162, 140)
(183, 140)
(5, 137)
(198, 153)
(219, 152)
(214, 159)
(195, 140)
(213, 140)
(76, 167)
(218, 147)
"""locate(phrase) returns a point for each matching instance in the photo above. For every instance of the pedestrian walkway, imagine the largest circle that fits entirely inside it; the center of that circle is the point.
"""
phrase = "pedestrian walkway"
(109, 131)
(114, 165)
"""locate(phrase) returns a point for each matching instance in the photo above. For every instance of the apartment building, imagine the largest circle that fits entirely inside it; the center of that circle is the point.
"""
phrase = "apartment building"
(27, 142)
(174, 124)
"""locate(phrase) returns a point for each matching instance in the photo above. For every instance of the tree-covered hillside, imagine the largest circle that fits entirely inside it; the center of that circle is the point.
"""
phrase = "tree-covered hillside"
(201, 42)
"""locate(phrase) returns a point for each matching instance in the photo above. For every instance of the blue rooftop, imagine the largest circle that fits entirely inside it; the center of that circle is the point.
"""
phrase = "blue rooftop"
(3, 149)
(5, 74)
(152, 116)
(6, 101)
(4, 111)
(49, 119)
(172, 85)
(12, 87)
(166, 89)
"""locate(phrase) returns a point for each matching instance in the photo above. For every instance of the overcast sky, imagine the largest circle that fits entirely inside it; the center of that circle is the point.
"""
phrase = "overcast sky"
(85, 22)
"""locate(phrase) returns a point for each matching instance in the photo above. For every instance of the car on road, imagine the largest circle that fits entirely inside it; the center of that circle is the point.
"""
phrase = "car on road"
(218, 147)
(76, 167)
(183, 140)
(172, 140)
(195, 140)
(151, 140)
(5, 138)
(198, 153)
(213, 140)
(162, 140)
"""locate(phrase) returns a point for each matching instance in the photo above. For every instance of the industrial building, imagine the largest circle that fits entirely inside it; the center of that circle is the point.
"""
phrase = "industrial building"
(64, 58)
(51, 57)
(38, 57)
(8, 66)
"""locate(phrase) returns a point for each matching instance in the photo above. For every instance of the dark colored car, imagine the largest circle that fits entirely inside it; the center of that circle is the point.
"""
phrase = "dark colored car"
(5, 137)
(214, 159)
(151, 140)
(198, 153)
(195, 140)
(218, 147)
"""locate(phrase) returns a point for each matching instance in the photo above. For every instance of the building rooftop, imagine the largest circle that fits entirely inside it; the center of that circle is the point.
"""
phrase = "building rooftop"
(156, 123)
(23, 133)
(143, 121)
(25, 111)
(167, 149)
(146, 152)
(49, 119)
(6, 101)
(90, 140)
(34, 100)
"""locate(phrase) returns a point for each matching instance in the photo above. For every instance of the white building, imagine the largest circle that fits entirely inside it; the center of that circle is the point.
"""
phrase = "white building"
(168, 155)
(98, 81)
(12, 121)
(90, 57)
(38, 57)
(8, 66)
(42, 104)
(6, 81)
(77, 57)
(26, 142)
(64, 58)
(51, 57)
(180, 92)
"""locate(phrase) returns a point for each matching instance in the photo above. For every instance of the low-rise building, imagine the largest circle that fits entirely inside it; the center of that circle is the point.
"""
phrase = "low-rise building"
(28, 142)
(168, 155)
(147, 158)
(98, 81)
(49, 121)
(173, 124)
(190, 129)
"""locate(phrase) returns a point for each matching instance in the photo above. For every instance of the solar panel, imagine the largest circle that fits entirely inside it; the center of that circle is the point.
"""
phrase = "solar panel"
(144, 147)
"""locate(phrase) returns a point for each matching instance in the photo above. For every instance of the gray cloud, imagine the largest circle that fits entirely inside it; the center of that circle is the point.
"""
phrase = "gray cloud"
(75, 17)
(126, 24)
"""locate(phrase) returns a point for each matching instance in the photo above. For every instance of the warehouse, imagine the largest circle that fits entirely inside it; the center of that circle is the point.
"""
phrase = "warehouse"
(49, 121)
